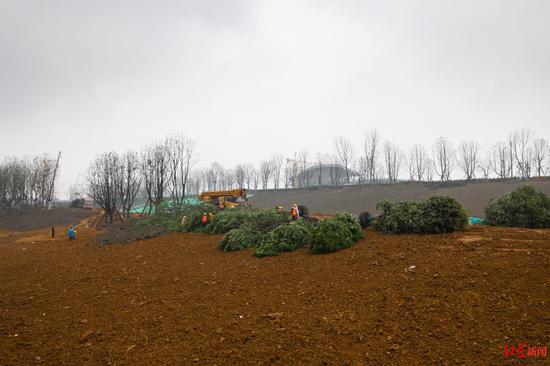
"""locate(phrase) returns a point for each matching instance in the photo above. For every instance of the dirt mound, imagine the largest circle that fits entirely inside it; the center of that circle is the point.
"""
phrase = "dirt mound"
(127, 232)
(176, 299)
(34, 218)
(473, 195)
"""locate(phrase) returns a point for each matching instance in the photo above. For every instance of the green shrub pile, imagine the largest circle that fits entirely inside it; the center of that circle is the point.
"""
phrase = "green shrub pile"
(256, 220)
(352, 223)
(238, 239)
(330, 235)
(442, 214)
(227, 220)
(283, 238)
(172, 220)
(264, 220)
(526, 207)
(438, 214)
(193, 222)
(398, 218)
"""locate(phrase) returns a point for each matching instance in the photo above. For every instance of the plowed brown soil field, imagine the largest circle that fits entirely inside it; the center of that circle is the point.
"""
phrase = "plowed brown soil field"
(175, 300)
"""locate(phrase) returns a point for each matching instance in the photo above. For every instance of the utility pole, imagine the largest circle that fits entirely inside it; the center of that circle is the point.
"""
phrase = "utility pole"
(52, 183)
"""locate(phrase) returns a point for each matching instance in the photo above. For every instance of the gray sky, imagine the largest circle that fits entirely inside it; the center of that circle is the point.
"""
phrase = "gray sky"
(245, 79)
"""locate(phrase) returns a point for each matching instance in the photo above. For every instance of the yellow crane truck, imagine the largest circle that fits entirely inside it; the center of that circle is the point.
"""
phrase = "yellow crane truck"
(229, 198)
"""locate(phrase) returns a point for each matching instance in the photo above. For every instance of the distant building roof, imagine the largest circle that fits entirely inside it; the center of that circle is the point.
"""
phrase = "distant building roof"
(325, 175)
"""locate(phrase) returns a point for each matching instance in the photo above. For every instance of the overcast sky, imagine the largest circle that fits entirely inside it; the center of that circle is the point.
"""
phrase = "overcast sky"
(245, 79)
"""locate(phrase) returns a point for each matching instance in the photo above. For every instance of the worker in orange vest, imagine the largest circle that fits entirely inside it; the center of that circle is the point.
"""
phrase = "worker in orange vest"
(204, 219)
(294, 213)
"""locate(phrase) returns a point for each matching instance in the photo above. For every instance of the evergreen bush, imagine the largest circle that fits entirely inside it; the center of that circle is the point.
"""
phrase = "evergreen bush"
(255, 220)
(238, 239)
(330, 235)
(283, 238)
(526, 207)
(438, 214)
(352, 223)
(442, 214)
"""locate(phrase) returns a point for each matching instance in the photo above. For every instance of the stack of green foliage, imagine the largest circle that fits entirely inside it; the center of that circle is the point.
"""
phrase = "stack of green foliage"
(352, 223)
(266, 230)
(283, 238)
(173, 221)
(330, 235)
(524, 207)
(238, 239)
(257, 220)
(438, 214)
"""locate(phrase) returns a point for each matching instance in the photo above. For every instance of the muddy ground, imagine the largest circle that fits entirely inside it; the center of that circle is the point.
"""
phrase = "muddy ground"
(176, 300)
(127, 232)
(33, 218)
(475, 195)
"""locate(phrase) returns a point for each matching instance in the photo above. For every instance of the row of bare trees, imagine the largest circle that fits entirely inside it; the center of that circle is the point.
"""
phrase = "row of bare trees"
(520, 156)
(28, 182)
(159, 170)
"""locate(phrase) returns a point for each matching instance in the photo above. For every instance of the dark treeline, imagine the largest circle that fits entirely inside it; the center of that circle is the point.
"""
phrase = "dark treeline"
(522, 155)
(28, 182)
(163, 170)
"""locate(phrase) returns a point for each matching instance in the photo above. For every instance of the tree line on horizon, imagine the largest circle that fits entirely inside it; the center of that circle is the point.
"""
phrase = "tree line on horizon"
(521, 156)
(164, 169)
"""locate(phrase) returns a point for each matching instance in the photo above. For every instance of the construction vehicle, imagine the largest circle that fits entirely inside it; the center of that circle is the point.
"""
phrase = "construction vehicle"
(230, 198)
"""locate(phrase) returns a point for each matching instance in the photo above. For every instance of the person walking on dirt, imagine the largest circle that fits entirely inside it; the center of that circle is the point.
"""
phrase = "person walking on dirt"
(53, 232)
(72, 233)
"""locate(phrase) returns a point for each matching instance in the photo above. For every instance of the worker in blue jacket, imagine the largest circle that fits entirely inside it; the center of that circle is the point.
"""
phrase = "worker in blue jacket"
(72, 233)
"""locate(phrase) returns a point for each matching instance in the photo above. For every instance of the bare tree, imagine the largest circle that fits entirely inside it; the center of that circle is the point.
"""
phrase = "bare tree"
(500, 153)
(213, 175)
(522, 152)
(468, 158)
(418, 162)
(320, 167)
(287, 175)
(277, 163)
(155, 170)
(370, 146)
(227, 179)
(51, 186)
(361, 166)
(443, 158)
(75, 191)
(240, 175)
(197, 182)
(485, 165)
(337, 177)
(266, 171)
(303, 176)
(344, 150)
(252, 177)
(28, 182)
(510, 156)
(102, 183)
(180, 156)
(430, 169)
(128, 181)
(13, 177)
(540, 154)
(393, 160)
